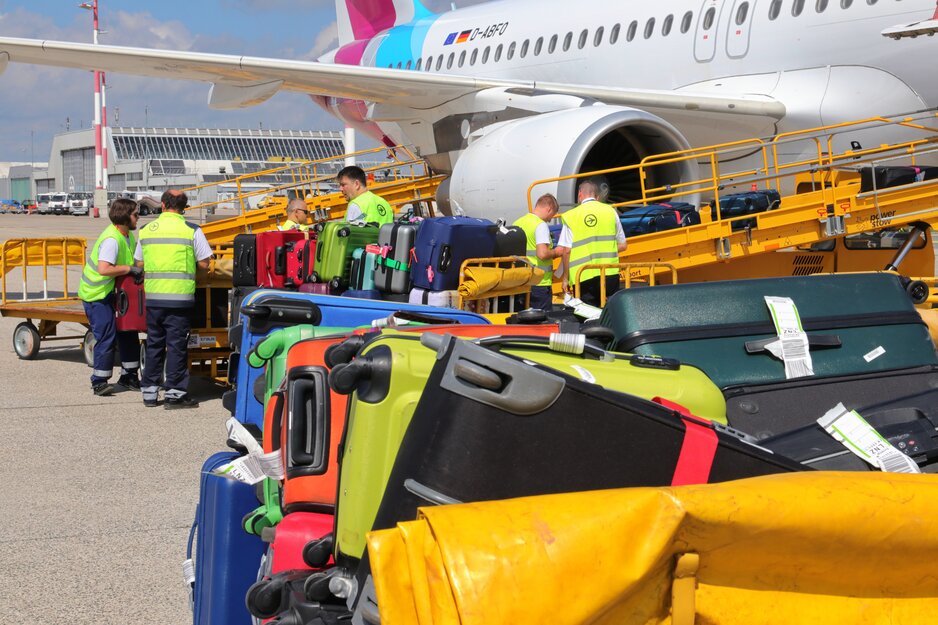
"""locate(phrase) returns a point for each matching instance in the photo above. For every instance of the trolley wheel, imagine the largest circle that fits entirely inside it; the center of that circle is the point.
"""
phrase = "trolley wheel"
(26, 340)
(143, 359)
(87, 347)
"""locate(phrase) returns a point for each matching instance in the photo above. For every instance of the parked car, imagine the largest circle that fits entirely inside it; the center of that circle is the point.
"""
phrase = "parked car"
(42, 203)
(80, 203)
(58, 204)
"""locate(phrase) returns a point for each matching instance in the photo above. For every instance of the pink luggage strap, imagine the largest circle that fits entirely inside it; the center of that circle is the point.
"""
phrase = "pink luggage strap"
(698, 449)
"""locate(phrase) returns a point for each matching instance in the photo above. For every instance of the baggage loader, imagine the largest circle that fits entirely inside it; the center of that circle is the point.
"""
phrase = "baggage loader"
(395, 241)
(856, 323)
(226, 558)
(265, 310)
(334, 248)
(130, 305)
(389, 375)
(441, 246)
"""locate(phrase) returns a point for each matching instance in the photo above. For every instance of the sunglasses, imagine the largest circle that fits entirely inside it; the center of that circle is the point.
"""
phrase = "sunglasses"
(305, 210)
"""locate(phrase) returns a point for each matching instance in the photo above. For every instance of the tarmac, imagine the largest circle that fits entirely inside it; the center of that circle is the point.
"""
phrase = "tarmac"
(100, 491)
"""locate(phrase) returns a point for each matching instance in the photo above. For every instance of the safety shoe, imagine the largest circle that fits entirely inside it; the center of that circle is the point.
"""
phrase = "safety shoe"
(151, 403)
(129, 381)
(175, 403)
(103, 389)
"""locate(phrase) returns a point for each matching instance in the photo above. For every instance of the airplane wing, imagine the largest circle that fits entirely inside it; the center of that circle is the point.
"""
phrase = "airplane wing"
(240, 81)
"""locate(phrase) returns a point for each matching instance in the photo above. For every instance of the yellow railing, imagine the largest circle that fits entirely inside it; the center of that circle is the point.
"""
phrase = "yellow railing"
(52, 252)
(644, 273)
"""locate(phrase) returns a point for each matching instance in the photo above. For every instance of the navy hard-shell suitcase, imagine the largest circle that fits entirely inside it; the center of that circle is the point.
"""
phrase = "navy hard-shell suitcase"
(441, 246)
(267, 309)
(658, 217)
(226, 557)
(885, 177)
(363, 293)
(749, 203)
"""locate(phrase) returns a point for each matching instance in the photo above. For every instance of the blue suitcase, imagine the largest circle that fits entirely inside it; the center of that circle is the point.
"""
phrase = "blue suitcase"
(363, 293)
(267, 309)
(441, 246)
(226, 558)
(739, 204)
(658, 217)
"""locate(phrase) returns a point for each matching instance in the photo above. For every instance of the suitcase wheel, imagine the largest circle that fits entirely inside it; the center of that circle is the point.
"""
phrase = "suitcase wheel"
(344, 232)
(317, 587)
(264, 598)
(337, 284)
(344, 377)
(343, 353)
(314, 277)
(316, 553)
(918, 291)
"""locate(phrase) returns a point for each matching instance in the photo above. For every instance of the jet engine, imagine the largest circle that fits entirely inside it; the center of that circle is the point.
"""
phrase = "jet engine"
(492, 175)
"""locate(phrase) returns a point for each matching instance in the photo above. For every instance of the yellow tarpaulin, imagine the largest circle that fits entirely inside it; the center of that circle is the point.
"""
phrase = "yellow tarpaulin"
(477, 281)
(792, 548)
(51, 251)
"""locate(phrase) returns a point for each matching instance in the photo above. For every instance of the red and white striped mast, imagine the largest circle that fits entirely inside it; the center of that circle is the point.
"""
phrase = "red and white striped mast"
(100, 119)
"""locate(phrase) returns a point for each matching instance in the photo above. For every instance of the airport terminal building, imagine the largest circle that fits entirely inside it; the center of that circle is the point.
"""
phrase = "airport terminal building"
(159, 158)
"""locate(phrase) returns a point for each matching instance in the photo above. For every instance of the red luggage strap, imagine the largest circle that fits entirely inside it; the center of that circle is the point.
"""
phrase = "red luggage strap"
(698, 449)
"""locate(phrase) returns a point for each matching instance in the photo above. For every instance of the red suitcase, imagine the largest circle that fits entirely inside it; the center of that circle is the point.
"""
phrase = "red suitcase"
(301, 258)
(130, 305)
(272, 256)
(291, 536)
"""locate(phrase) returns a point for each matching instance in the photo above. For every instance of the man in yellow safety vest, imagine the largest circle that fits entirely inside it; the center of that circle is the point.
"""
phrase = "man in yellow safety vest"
(111, 256)
(593, 233)
(363, 206)
(297, 216)
(169, 249)
(540, 249)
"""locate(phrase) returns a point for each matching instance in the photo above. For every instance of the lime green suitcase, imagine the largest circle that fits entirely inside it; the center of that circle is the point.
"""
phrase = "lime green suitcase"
(334, 248)
(386, 381)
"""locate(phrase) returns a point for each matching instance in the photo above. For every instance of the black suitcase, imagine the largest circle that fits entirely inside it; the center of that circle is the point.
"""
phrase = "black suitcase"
(885, 177)
(510, 241)
(245, 260)
(739, 204)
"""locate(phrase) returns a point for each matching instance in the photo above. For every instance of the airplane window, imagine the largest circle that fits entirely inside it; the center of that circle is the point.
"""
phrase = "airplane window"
(666, 25)
(390, 66)
(685, 21)
(871, 2)
(524, 49)
(408, 65)
(439, 62)
(598, 39)
(614, 34)
(498, 54)
(582, 41)
(429, 65)
(708, 17)
(845, 4)
(567, 40)
(820, 6)
(649, 28)
(398, 65)
(774, 9)
(538, 45)
(742, 12)
(630, 33)
(473, 56)
(552, 45)
(462, 58)
(450, 59)
(485, 55)
(419, 65)
(511, 51)
(797, 8)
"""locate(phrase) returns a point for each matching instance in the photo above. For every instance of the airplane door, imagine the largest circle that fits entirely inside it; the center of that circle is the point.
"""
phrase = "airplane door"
(705, 44)
(738, 27)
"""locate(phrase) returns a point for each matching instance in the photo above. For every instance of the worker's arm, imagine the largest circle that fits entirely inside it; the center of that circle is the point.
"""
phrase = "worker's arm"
(203, 251)
(109, 270)
(138, 255)
(620, 237)
(107, 260)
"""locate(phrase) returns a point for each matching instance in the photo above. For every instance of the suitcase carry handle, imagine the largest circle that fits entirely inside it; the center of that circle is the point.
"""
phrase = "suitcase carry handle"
(123, 302)
(307, 452)
(817, 341)
(565, 343)
(280, 260)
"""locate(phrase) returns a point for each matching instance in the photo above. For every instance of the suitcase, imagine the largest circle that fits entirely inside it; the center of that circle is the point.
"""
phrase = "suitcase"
(362, 273)
(316, 288)
(363, 294)
(739, 204)
(722, 327)
(334, 250)
(272, 252)
(658, 217)
(510, 241)
(885, 177)
(390, 373)
(445, 299)
(130, 305)
(392, 274)
(301, 260)
(441, 246)
(210, 309)
(226, 558)
(245, 260)
(265, 310)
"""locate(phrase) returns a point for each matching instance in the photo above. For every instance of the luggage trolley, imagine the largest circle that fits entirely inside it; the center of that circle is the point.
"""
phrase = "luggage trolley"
(631, 274)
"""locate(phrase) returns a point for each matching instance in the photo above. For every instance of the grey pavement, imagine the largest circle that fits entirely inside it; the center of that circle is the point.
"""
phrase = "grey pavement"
(99, 492)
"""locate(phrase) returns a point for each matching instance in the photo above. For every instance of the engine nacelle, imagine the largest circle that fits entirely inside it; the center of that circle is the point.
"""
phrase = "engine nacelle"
(492, 176)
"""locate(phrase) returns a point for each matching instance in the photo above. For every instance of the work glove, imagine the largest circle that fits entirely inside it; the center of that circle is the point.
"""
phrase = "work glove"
(137, 273)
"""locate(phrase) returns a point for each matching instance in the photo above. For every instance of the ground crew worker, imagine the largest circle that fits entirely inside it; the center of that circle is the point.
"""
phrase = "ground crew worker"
(364, 207)
(297, 216)
(111, 256)
(169, 250)
(540, 249)
(593, 234)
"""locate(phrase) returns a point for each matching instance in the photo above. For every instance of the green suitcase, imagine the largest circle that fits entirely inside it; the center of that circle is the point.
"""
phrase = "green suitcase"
(334, 248)
(386, 381)
(856, 324)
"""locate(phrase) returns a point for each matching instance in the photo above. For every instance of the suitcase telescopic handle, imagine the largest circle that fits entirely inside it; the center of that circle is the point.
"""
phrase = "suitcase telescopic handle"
(566, 343)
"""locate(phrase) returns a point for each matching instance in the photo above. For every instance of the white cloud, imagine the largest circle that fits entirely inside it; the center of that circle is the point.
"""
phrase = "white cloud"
(326, 39)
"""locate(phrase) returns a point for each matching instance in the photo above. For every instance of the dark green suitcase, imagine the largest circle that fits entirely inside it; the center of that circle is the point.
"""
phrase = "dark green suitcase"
(720, 326)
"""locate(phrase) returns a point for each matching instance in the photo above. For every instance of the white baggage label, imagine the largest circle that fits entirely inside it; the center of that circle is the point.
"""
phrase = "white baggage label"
(792, 344)
(848, 427)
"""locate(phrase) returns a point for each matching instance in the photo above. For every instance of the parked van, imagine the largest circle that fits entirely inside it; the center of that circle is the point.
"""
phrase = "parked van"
(42, 203)
(58, 204)
(80, 203)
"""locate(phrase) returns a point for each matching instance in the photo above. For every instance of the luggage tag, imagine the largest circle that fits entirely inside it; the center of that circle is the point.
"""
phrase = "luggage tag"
(792, 344)
(857, 435)
(580, 309)
(256, 465)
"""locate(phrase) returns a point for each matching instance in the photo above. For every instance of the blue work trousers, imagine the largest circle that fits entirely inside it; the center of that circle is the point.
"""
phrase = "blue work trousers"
(101, 318)
(167, 340)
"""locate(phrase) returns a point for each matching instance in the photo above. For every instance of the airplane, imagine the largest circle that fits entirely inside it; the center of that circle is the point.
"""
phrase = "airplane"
(503, 93)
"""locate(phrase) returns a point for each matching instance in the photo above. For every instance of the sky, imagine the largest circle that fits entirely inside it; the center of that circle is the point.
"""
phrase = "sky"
(37, 102)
